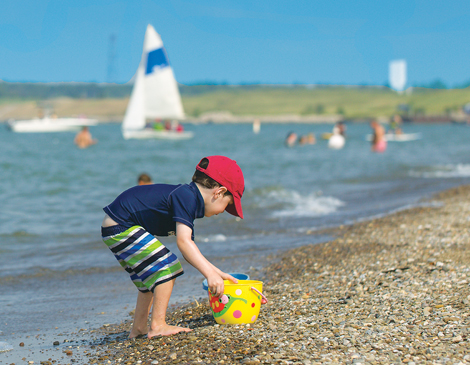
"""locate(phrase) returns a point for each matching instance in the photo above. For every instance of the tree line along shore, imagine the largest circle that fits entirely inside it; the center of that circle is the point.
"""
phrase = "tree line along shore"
(240, 103)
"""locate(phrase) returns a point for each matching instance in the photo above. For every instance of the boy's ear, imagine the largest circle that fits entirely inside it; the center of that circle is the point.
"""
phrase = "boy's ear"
(221, 190)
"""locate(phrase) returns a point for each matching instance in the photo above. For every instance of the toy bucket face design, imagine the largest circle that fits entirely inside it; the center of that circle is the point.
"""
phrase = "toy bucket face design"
(240, 303)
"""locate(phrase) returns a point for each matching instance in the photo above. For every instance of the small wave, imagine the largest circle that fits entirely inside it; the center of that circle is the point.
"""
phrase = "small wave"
(288, 203)
(5, 347)
(215, 238)
(443, 171)
(18, 234)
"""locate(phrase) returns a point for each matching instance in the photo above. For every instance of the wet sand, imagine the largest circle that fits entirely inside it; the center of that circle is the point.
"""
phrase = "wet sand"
(392, 290)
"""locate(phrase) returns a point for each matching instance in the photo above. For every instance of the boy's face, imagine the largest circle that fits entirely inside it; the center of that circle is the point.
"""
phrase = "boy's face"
(217, 204)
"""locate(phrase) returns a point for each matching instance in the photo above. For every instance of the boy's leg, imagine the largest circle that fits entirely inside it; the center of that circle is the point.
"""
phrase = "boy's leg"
(161, 298)
(141, 316)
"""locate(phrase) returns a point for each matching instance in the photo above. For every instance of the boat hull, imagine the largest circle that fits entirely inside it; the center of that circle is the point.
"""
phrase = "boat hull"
(156, 134)
(50, 125)
(405, 137)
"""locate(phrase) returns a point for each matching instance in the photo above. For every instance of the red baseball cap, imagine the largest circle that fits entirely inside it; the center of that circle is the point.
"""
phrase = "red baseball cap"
(227, 173)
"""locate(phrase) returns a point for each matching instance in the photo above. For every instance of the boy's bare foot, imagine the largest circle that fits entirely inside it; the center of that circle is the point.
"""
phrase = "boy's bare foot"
(166, 330)
(137, 334)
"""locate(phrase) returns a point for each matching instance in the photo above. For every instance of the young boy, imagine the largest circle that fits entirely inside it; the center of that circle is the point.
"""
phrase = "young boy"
(145, 211)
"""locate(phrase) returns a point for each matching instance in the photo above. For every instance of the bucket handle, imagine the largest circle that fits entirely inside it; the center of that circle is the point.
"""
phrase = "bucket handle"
(264, 300)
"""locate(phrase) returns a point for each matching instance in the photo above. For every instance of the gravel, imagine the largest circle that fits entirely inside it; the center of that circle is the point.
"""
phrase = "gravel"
(388, 291)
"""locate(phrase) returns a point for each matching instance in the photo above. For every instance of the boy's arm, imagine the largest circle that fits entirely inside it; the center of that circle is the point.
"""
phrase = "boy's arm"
(192, 254)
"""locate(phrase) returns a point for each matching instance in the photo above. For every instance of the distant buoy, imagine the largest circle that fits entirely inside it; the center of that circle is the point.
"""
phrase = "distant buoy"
(336, 142)
(256, 126)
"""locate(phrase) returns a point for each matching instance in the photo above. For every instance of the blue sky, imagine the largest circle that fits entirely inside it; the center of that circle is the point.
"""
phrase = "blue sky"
(263, 41)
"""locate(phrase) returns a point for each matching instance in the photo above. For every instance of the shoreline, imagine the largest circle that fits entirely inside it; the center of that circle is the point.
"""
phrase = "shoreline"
(390, 290)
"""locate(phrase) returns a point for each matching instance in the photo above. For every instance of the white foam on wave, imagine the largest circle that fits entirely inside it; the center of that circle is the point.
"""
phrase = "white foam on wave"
(443, 171)
(288, 203)
(5, 347)
(215, 238)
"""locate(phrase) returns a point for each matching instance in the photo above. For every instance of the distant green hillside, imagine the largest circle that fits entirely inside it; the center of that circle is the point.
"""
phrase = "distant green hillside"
(352, 102)
(75, 90)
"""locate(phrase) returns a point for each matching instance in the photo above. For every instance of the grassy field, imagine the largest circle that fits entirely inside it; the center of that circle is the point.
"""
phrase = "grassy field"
(352, 102)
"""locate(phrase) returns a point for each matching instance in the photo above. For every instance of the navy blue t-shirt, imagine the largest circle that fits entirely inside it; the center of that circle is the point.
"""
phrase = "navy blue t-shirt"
(158, 207)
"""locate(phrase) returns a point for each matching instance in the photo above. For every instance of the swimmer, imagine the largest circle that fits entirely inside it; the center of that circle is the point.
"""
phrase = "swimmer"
(83, 139)
(291, 139)
(144, 179)
(379, 143)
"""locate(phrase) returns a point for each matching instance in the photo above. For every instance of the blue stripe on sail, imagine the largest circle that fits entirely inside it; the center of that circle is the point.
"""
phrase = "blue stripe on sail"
(157, 58)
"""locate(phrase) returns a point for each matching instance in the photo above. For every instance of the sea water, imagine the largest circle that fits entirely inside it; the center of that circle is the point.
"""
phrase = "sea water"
(56, 274)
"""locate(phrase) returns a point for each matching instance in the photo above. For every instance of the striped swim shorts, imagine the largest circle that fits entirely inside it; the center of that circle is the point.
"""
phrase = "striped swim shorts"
(147, 261)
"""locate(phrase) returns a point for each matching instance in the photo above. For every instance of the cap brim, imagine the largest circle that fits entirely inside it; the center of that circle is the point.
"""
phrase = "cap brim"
(235, 208)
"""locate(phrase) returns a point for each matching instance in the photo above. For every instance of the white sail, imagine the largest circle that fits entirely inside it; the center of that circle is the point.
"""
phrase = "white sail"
(134, 118)
(155, 93)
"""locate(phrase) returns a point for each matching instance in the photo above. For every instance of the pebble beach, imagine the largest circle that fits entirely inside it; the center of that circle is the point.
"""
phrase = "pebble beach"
(387, 291)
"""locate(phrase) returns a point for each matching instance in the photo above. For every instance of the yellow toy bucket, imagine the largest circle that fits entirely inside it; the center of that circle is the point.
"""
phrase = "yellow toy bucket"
(240, 302)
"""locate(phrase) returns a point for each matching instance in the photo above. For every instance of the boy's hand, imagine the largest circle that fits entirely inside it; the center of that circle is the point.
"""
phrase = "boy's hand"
(216, 285)
(226, 276)
(217, 289)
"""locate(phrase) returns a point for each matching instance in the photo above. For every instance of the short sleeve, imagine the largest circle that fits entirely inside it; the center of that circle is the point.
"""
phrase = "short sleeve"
(183, 204)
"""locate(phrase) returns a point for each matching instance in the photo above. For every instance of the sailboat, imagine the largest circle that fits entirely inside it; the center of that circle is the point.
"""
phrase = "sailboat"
(155, 95)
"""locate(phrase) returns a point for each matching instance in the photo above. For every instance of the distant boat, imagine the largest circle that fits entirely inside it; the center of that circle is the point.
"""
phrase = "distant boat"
(155, 94)
(48, 124)
(403, 137)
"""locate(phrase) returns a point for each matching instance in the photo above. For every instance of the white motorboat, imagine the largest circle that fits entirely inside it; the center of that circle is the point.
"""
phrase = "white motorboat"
(149, 133)
(48, 124)
(401, 137)
(155, 95)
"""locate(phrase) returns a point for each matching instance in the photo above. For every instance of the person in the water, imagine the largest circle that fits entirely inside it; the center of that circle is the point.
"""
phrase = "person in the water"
(379, 143)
